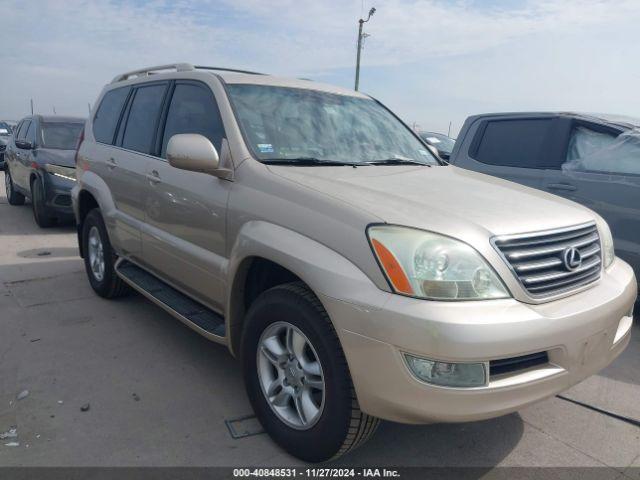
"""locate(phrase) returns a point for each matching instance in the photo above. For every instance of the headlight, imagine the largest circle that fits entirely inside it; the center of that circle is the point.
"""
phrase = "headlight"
(427, 265)
(606, 239)
(59, 171)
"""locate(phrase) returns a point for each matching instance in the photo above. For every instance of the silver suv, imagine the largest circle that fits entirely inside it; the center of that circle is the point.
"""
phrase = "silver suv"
(309, 230)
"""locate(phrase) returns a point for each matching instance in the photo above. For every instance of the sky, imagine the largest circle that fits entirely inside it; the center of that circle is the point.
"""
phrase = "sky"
(433, 62)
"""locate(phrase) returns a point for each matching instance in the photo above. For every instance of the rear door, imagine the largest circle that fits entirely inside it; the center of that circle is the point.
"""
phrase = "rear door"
(184, 235)
(599, 167)
(514, 148)
(127, 163)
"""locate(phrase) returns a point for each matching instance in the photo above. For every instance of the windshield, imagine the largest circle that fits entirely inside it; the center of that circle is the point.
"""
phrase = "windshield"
(5, 129)
(438, 140)
(292, 124)
(61, 136)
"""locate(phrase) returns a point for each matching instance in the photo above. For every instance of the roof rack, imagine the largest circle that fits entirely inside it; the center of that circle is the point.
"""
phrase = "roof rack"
(143, 72)
(224, 69)
(177, 67)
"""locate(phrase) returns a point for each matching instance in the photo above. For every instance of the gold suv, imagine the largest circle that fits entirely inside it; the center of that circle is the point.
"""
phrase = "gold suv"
(355, 275)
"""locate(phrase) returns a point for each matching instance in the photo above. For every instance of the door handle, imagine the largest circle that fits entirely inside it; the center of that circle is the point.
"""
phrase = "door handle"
(111, 163)
(153, 177)
(562, 186)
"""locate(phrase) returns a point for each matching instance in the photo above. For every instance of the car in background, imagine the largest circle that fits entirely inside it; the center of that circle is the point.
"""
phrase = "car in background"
(442, 143)
(5, 133)
(590, 159)
(40, 165)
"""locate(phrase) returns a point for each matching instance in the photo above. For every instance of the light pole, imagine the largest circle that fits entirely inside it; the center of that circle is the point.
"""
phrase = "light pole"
(360, 37)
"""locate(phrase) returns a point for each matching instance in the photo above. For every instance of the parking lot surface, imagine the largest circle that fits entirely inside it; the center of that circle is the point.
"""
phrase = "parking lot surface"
(90, 382)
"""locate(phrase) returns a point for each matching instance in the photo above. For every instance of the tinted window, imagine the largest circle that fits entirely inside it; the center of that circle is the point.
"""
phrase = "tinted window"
(106, 118)
(143, 114)
(193, 109)
(514, 143)
(62, 136)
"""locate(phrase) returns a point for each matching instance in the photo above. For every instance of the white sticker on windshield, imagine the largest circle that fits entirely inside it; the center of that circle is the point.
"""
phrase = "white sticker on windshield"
(265, 148)
(433, 140)
(3, 131)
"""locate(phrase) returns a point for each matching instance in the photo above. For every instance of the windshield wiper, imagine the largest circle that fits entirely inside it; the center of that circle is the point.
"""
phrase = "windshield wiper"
(306, 161)
(397, 161)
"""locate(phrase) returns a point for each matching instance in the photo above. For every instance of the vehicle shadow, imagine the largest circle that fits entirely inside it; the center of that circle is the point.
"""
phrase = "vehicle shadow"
(476, 444)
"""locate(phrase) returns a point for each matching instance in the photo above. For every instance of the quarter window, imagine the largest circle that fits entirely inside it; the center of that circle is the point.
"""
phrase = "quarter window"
(143, 116)
(108, 114)
(31, 133)
(514, 143)
(193, 109)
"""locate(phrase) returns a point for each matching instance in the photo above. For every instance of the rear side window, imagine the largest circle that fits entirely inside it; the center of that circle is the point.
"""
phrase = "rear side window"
(106, 119)
(193, 109)
(514, 143)
(142, 119)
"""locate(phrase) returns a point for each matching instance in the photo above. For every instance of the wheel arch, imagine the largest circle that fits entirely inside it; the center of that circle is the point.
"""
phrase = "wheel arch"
(265, 255)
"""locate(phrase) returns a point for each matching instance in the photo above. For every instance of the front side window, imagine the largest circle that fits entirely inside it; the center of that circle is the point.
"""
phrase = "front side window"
(60, 135)
(599, 152)
(143, 116)
(24, 126)
(108, 114)
(514, 143)
(293, 125)
(30, 136)
(193, 109)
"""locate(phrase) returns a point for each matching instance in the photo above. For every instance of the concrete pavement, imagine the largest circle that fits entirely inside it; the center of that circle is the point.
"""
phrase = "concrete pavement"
(159, 394)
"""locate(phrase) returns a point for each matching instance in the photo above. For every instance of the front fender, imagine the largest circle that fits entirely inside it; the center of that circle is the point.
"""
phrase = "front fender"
(324, 270)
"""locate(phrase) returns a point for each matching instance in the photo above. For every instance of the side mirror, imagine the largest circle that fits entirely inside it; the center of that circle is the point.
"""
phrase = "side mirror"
(192, 152)
(24, 145)
(433, 150)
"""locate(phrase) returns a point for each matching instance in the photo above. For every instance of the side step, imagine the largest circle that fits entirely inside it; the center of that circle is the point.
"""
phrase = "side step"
(177, 303)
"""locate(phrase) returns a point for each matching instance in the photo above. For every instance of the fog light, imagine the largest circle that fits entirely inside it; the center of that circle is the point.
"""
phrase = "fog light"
(448, 374)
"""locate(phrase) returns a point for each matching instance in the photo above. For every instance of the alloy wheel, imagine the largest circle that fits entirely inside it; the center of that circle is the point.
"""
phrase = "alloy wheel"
(290, 375)
(96, 254)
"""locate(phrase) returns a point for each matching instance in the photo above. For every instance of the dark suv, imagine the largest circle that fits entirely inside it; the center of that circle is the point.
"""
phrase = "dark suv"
(40, 165)
(5, 133)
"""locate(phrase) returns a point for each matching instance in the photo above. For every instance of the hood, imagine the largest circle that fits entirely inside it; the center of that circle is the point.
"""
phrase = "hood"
(443, 199)
(64, 158)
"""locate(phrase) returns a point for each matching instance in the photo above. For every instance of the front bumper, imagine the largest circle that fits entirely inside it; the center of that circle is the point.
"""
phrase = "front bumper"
(577, 332)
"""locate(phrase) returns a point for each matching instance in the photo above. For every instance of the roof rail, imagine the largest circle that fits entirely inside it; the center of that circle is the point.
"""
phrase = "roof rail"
(223, 69)
(143, 72)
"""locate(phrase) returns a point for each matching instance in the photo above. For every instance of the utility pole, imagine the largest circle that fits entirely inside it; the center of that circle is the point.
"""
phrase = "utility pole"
(32, 106)
(449, 132)
(361, 36)
(89, 107)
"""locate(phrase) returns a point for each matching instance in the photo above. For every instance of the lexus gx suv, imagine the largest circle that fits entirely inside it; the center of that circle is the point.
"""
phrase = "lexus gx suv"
(311, 232)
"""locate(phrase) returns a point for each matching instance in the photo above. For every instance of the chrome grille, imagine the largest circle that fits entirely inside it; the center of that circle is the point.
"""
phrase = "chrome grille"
(553, 262)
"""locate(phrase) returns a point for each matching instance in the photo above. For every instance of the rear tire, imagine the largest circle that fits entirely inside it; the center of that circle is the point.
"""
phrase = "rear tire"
(339, 425)
(41, 213)
(13, 197)
(100, 259)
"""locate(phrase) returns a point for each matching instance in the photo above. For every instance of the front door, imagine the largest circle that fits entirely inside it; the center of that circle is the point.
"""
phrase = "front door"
(184, 235)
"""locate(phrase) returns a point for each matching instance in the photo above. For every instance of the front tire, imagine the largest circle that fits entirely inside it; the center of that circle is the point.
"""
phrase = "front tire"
(13, 197)
(41, 213)
(297, 377)
(99, 258)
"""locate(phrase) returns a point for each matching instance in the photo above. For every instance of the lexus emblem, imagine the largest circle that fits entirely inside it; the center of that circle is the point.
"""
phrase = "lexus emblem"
(572, 258)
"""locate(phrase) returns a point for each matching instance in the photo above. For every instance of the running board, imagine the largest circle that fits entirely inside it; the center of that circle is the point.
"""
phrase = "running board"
(193, 314)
